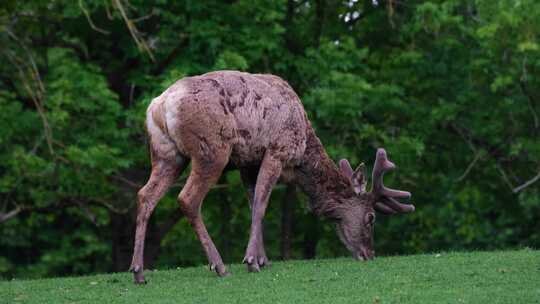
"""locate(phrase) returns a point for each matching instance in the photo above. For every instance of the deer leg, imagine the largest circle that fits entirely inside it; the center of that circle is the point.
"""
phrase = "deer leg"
(268, 175)
(164, 173)
(203, 175)
(263, 259)
(249, 179)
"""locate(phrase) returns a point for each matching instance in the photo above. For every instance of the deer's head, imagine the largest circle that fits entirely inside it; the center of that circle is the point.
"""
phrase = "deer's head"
(357, 216)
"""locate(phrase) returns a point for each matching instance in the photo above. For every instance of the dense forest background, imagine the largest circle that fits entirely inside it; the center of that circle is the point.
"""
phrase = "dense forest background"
(450, 88)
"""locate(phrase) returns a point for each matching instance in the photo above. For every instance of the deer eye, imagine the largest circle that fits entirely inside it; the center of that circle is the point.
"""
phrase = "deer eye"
(370, 218)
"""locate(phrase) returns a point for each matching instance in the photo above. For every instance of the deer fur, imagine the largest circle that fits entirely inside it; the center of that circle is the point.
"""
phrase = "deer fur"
(255, 123)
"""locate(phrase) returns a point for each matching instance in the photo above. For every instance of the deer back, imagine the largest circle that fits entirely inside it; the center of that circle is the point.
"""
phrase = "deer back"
(247, 113)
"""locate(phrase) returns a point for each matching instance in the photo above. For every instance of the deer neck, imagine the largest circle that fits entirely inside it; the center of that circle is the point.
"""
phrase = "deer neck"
(320, 178)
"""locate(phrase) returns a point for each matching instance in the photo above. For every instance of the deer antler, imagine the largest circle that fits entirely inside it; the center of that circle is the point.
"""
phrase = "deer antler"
(385, 197)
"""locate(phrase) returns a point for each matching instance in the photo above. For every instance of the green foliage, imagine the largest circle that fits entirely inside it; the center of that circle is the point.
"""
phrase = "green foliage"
(449, 88)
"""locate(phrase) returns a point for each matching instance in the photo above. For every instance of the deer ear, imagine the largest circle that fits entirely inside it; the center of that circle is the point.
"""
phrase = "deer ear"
(359, 179)
(346, 168)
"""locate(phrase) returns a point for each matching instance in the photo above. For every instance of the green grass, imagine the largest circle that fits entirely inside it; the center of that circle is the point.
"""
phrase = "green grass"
(472, 277)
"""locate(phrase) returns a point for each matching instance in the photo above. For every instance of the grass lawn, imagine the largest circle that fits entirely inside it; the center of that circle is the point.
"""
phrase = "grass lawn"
(471, 277)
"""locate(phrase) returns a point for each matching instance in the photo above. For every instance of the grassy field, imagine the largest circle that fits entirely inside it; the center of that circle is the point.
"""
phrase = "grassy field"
(473, 277)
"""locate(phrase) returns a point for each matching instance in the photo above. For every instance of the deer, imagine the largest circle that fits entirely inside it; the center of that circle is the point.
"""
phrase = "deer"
(257, 124)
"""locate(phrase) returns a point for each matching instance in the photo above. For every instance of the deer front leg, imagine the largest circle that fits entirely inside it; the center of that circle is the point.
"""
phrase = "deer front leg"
(249, 179)
(203, 175)
(268, 175)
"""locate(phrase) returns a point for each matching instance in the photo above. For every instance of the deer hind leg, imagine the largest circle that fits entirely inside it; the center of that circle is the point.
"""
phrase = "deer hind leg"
(164, 173)
(204, 174)
(249, 179)
(266, 179)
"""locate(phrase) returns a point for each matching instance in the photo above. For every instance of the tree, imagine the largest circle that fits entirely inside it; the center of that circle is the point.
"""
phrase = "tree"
(449, 88)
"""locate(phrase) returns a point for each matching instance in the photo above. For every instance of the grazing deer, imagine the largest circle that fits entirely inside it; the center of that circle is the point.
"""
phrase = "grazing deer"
(257, 124)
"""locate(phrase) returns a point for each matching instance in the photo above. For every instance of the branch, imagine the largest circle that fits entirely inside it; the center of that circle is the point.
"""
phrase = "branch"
(108, 11)
(477, 157)
(142, 18)
(103, 203)
(169, 224)
(504, 176)
(87, 212)
(89, 19)
(490, 150)
(81, 51)
(172, 55)
(135, 34)
(473, 149)
(36, 96)
(126, 181)
(299, 3)
(32, 67)
(65, 203)
(526, 184)
(530, 102)
(6, 216)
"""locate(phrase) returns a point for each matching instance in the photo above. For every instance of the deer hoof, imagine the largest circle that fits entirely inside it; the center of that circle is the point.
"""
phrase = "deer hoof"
(223, 273)
(264, 262)
(248, 260)
(254, 263)
(220, 270)
(253, 267)
(138, 278)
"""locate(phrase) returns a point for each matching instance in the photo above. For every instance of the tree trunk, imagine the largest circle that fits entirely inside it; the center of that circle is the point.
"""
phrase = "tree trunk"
(320, 6)
(311, 237)
(123, 233)
(225, 229)
(287, 221)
